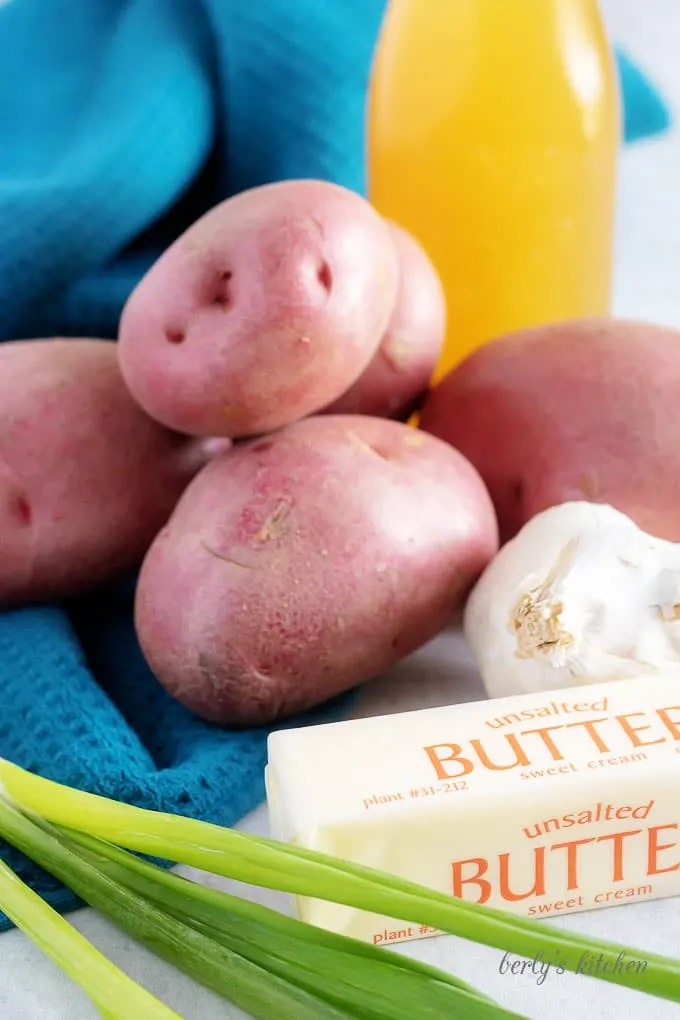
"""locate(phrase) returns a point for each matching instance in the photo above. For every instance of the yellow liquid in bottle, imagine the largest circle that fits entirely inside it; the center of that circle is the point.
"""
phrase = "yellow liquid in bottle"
(493, 135)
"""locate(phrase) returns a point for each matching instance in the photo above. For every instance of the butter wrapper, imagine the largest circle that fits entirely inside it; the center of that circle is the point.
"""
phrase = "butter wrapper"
(540, 805)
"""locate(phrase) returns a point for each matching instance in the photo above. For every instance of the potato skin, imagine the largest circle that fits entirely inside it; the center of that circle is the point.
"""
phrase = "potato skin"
(400, 371)
(588, 409)
(268, 308)
(86, 478)
(301, 564)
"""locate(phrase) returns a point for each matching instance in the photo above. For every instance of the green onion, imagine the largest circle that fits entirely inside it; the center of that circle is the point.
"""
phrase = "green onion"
(112, 991)
(358, 979)
(350, 973)
(262, 995)
(304, 872)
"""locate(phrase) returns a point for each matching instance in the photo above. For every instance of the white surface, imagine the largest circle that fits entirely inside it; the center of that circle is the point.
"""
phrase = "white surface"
(647, 286)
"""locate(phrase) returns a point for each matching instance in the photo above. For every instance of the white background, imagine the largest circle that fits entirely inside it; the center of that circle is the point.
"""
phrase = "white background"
(647, 286)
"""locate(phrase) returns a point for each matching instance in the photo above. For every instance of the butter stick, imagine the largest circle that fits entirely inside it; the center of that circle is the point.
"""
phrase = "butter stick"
(540, 805)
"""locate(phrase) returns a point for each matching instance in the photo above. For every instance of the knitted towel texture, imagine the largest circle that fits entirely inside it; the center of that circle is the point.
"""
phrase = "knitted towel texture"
(121, 121)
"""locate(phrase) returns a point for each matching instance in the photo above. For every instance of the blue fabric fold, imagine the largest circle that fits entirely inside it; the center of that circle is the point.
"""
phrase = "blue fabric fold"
(121, 121)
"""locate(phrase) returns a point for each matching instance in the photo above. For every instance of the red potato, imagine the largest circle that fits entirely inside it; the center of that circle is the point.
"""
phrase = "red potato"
(401, 369)
(86, 478)
(299, 565)
(582, 410)
(267, 309)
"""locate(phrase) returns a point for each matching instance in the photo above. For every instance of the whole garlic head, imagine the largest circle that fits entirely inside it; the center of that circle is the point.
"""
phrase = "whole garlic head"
(580, 595)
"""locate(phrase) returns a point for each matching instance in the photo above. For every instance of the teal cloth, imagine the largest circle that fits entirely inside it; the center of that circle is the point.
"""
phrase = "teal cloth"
(121, 122)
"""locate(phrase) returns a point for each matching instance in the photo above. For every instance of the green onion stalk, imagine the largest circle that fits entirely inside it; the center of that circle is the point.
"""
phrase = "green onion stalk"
(113, 992)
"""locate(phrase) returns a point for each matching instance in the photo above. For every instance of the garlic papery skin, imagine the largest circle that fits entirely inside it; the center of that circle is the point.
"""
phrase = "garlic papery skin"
(580, 595)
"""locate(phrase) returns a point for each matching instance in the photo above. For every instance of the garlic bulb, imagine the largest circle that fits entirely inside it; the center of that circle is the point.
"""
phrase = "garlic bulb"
(580, 595)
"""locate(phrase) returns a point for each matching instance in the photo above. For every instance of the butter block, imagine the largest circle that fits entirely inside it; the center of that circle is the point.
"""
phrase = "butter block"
(540, 805)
